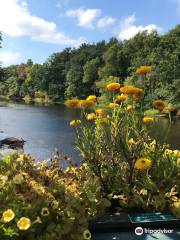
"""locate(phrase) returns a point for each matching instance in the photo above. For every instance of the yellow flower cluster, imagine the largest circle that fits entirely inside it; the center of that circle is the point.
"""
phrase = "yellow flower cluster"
(18, 179)
(121, 98)
(91, 98)
(85, 103)
(143, 164)
(72, 103)
(113, 105)
(91, 116)
(148, 119)
(22, 157)
(74, 123)
(100, 112)
(113, 86)
(175, 153)
(131, 141)
(159, 104)
(128, 89)
(129, 107)
(77, 103)
(143, 69)
(23, 224)
(102, 121)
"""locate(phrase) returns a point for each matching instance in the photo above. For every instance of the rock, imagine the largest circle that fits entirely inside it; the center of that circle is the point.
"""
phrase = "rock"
(13, 143)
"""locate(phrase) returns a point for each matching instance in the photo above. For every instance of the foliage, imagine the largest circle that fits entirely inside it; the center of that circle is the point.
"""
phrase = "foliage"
(82, 71)
(134, 168)
(57, 203)
(123, 168)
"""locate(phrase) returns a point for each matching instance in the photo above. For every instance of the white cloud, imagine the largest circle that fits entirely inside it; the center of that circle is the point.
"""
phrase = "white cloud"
(128, 29)
(105, 22)
(85, 17)
(8, 58)
(16, 20)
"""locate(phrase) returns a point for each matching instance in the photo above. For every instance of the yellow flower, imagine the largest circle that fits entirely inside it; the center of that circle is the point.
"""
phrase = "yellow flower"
(129, 107)
(8, 215)
(143, 163)
(128, 89)
(22, 157)
(45, 212)
(121, 98)
(24, 223)
(72, 103)
(18, 179)
(113, 105)
(100, 112)
(91, 116)
(38, 220)
(3, 178)
(113, 86)
(55, 204)
(75, 123)
(176, 153)
(178, 161)
(101, 121)
(143, 69)
(131, 141)
(86, 103)
(86, 234)
(175, 208)
(148, 119)
(159, 104)
(91, 98)
(168, 109)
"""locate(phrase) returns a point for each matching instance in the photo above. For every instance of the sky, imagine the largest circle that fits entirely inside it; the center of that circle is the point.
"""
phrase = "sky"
(34, 29)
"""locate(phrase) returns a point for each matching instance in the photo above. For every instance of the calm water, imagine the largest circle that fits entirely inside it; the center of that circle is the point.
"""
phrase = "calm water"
(45, 128)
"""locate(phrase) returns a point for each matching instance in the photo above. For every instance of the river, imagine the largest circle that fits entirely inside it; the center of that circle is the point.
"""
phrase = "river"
(47, 128)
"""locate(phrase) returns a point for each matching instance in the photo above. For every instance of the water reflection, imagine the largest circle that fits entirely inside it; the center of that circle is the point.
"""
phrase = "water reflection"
(45, 128)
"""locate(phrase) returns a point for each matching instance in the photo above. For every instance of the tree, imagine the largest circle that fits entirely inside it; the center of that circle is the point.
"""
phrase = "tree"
(79, 72)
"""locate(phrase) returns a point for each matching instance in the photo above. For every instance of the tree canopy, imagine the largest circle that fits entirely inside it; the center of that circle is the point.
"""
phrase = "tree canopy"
(77, 72)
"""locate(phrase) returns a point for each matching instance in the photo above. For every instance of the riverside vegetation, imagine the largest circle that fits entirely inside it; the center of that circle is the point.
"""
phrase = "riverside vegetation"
(121, 162)
(79, 72)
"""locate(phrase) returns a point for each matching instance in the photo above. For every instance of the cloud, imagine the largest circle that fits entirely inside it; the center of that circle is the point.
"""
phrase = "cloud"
(105, 22)
(16, 20)
(85, 17)
(128, 29)
(7, 58)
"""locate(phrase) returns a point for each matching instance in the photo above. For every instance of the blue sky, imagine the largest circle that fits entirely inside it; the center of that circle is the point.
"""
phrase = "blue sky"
(37, 28)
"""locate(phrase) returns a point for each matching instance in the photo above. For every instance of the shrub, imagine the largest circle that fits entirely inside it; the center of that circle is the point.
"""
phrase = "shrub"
(42, 201)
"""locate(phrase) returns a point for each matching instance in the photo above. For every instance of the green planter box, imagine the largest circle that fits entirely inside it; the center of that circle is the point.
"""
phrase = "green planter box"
(147, 226)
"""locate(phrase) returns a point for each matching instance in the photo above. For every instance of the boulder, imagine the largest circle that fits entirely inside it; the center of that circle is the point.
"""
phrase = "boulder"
(13, 143)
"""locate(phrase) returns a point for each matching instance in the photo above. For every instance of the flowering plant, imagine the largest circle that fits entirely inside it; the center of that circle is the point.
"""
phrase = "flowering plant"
(123, 167)
(116, 142)
(43, 201)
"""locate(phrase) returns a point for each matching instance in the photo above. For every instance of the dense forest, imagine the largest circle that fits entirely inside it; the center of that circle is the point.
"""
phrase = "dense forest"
(78, 72)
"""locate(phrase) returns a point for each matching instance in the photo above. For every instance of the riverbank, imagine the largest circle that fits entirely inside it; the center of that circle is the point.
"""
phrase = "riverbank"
(44, 128)
(46, 101)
